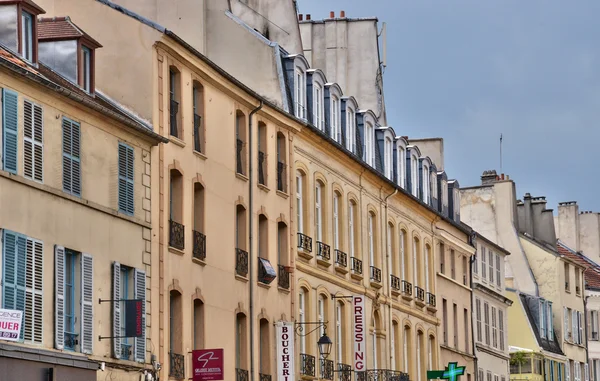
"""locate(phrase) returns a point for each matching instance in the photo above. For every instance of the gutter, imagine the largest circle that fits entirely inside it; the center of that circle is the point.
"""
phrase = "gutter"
(473, 344)
(389, 272)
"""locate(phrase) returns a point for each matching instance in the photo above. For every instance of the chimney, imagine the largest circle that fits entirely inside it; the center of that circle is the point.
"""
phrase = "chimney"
(342, 14)
(489, 177)
(331, 14)
(308, 17)
(405, 137)
(300, 17)
(567, 228)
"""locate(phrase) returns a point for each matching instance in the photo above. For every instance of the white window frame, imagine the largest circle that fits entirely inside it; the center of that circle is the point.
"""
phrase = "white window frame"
(300, 92)
(351, 129)
(425, 183)
(402, 253)
(318, 212)
(415, 266)
(371, 235)
(414, 175)
(339, 332)
(27, 37)
(299, 202)
(351, 238)
(336, 130)
(389, 158)
(427, 252)
(318, 99)
(321, 313)
(336, 221)
(369, 143)
(302, 317)
(401, 175)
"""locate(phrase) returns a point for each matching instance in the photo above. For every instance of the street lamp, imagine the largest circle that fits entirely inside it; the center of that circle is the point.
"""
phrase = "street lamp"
(324, 344)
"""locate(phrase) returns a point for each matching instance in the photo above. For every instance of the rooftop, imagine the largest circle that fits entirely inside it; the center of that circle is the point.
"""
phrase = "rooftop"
(592, 269)
(62, 28)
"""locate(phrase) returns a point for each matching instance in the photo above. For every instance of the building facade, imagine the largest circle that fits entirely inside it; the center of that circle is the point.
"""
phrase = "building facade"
(74, 207)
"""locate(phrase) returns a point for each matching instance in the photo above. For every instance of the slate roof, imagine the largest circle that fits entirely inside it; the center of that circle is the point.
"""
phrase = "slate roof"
(62, 28)
(592, 271)
(531, 307)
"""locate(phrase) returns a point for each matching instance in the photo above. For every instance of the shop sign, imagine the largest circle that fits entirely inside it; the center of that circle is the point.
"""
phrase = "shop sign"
(451, 372)
(208, 364)
(285, 350)
(358, 334)
(10, 324)
(133, 318)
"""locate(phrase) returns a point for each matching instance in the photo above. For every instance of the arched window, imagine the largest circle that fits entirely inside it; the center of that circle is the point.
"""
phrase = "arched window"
(395, 346)
(432, 360)
(264, 348)
(319, 229)
(262, 153)
(421, 357)
(263, 236)
(352, 226)
(281, 163)
(198, 324)
(241, 342)
(434, 189)
(391, 246)
(300, 93)
(406, 352)
(427, 270)
(416, 263)
(300, 184)
(401, 178)
(175, 125)
(241, 142)
(322, 312)
(339, 331)
(336, 220)
(198, 100)
(176, 228)
(374, 342)
(336, 131)
(404, 260)
(351, 130)
(199, 233)
(175, 323)
(318, 115)
(302, 316)
(371, 240)
(425, 182)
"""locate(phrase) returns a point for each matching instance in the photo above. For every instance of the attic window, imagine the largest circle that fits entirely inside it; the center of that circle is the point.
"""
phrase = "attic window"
(425, 180)
(388, 157)
(369, 151)
(27, 35)
(86, 69)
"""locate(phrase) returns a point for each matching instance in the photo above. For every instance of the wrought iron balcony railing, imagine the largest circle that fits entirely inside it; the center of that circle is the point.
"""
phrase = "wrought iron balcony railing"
(280, 176)
(341, 258)
(261, 168)
(177, 366)
(241, 374)
(176, 235)
(264, 377)
(126, 351)
(431, 299)
(241, 262)
(199, 245)
(283, 277)
(323, 251)
(304, 242)
(71, 340)
(381, 375)
(326, 369)
(395, 282)
(420, 293)
(356, 265)
(198, 133)
(344, 372)
(238, 156)
(307, 365)
(173, 110)
(407, 288)
(375, 274)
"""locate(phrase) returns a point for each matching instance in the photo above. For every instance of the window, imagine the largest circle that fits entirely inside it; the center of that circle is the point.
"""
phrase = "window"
(198, 208)
(350, 130)
(318, 119)
(414, 175)
(466, 323)
(23, 258)
(351, 228)
(336, 220)
(425, 181)
(126, 203)
(174, 102)
(498, 278)
(302, 317)
(434, 189)
(241, 341)
(404, 260)
(401, 167)
(494, 329)
(488, 376)
(369, 144)
(406, 348)
(465, 271)
(263, 236)
(282, 245)
(198, 101)
(442, 258)
(501, 325)
(483, 263)
(240, 135)
(73, 300)
(486, 316)
(426, 270)
(86, 70)
(10, 127)
(336, 131)
(33, 141)
(176, 209)
(262, 154)
(395, 346)
(319, 211)
(339, 333)
(240, 228)
(549, 321)
(575, 327)
(431, 362)
(300, 93)
(491, 264)
(478, 316)
(593, 322)
(445, 320)
(281, 163)
(128, 283)
(567, 327)
(567, 276)
(175, 323)
(476, 261)
(415, 261)
(455, 318)
(300, 201)
(452, 264)
(27, 35)
(420, 355)
(71, 161)
(374, 338)
(198, 324)
(388, 158)
(580, 327)
(577, 282)
(371, 233)
(567, 370)
(480, 374)
(264, 347)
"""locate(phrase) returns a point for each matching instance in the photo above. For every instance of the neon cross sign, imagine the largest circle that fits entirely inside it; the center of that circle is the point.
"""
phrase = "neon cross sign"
(451, 372)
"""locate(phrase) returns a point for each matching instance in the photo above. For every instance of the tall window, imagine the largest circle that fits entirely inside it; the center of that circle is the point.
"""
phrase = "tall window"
(466, 323)
(414, 175)
(351, 228)
(501, 326)
(318, 120)
(300, 97)
(71, 158)
(300, 201)
(390, 245)
(175, 102)
(395, 344)
(27, 35)
(282, 243)
(319, 211)
(445, 320)
(388, 158)
(175, 322)
(263, 236)
(486, 318)
(241, 341)
(465, 270)
(339, 331)
(262, 154)
(198, 324)
(431, 363)
(494, 329)
(452, 264)
(130, 283)
(426, 270)
(176, 197)
(240, 227)
(336, 220)
(374, 341)
(416, 279)
(371, 233)
(264, 348)
(240, 135)
(369, 144)
(86, 70)
(281, 163)
(302, 317)
(491, 264)
(455, 325)
(401, 167)
(406, 350)
(403, 255)
(498, 278)
(442, 258)
(434, 189)
(425, 180)
(126, 176)
(198, 208)
(478, 318)
(321, 313)
(420, 356)
(33, 141)
(336, 131)
(483, 263)
(351, 130)
(198, 100)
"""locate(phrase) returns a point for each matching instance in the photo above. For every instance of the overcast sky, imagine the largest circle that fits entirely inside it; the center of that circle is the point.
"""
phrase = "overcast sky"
(468, 71)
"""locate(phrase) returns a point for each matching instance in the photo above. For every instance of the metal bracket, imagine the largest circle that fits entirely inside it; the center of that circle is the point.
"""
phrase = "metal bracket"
(299, 327)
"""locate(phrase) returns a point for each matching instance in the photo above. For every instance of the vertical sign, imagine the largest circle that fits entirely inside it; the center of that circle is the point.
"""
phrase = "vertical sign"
(358, 318)
(133, 318)
(285, 350)
(208, 364)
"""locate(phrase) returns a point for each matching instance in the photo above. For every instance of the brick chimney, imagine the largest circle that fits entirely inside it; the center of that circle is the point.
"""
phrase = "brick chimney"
(308, 17)
(488, 177)
(342, 14)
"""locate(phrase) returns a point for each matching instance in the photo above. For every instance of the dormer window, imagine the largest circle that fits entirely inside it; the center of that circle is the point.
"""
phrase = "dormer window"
(336, 131)
(27, 22)
(425, 182)
(401, 162)
(318, 120)
(414, 175)
(300, 93)
(434, 187)
(333, 111)
(369, 148)
(388, 158)
(349, 107)
(86, 68)
(19, 27)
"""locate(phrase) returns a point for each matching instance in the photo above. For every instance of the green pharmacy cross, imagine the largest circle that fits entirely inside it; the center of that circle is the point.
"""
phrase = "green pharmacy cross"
(451, 372)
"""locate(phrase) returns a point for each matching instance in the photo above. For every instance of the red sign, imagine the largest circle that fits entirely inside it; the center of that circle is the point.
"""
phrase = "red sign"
(208, 364)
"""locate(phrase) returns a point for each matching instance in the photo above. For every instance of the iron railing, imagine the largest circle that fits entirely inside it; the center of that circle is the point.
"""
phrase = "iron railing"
(375, 274)
(283, 277)
(431, 299)
(344, 371)
(326, 369)
(72, 339)
(280, 176)
(199, 251)
(177, 366)
(395, 282)
(407, 288)
(341, 258)
(238, 156)
(126, 351)
(173, 110)
(241, 375)
(420, 293)
(198, 133)
(241, 262)
(307, 365)
(323, 251)
(264, 377)
(356, 265)
(304, 242)
(176, 235)
(261, 168)
(381, 375)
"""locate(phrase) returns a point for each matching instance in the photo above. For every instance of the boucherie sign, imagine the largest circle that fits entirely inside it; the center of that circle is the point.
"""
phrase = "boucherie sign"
(285, 350)
(10, 324)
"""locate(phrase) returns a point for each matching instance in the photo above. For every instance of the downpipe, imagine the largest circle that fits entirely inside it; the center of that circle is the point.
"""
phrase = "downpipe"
(389, 280)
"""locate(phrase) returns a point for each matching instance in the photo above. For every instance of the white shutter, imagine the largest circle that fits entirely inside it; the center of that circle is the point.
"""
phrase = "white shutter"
(566, 328)
(580, 326)
(567, 370)
(33, 141)
(139, 281)
(34, 315)
(59, 297)
(116, 310)
(587, 372)
(574, 325)
(87, 309)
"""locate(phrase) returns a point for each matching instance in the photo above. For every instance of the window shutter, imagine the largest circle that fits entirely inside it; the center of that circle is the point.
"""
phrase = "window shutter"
(87, 305)
(10, 128)
(116, 321)
(587, 372)
(574, 325)
(567, 371)
(589, 324)
(9, 289)
(34, 315)
(566, 319)
(126, 204)
(21, 280)
(139, 282)
(33, 133)
(71, 157)
(580, 327)
(59, 297)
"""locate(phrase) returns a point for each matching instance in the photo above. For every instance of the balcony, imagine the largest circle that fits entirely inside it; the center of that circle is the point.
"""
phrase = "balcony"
(199, 251)
(241, 262)
(407, 290)
(198, 132)
(356, 267)
(395, 283)
(307, 365)
(381, 375)
(239, 166)
(305, 246)
(283, 277)
(280, 176)
(326, 369)
(344, 372)
(176, 235)
(176, 366)
(430, 302)
(126, 351)
(241, 375)
(72, 340)
(264, 377)
(173, 110)
(261, 168)
(375, 277)
(341, 261)
(419, 296)
(323, 254)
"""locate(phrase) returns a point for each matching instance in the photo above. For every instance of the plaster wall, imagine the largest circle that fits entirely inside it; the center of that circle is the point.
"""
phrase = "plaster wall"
(589, 225)
(568, 228)
(593, 304)
(520, 332)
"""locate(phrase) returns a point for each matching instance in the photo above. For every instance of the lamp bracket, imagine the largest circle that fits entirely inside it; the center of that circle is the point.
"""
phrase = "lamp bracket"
(299, 327)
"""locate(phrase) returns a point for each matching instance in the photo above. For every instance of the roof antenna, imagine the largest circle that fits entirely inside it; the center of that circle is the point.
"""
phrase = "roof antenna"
(501, 153)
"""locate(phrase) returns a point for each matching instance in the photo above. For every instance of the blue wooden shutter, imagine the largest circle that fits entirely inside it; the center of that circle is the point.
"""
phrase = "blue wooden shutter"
(9, 289)
(87, 304)
(10, 126)
(126, 204)
(59, 297)
(116, 310)
(71, 157)
(139, 281)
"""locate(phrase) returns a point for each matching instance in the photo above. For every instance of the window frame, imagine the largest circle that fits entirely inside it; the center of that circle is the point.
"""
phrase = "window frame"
(351, 128)
(86, 68)
(27, 39)
(300, 92)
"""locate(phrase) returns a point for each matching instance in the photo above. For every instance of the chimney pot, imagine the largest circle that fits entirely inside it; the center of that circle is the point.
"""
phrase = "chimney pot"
(502, 176)
(342, 14)
(300, 17)
(331, 14)
(308, 17)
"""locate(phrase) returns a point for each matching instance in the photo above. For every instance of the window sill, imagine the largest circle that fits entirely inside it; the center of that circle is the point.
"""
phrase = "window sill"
(407, 297)
(395, 292)
(419, 303)
(304, 254)
(341, 269)
(241, 278)
(567, 291)
(176, 251)
(200, 155)
(263, 285)
(241, 176)
(283, 290)
(375, 284)
(199, 261)
(431, 309)
(263, 187)
(282, 194)
(176, 141)
(323, 262)
(356, 276)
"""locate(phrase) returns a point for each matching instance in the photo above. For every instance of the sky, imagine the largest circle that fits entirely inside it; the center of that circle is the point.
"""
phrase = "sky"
(470, 70)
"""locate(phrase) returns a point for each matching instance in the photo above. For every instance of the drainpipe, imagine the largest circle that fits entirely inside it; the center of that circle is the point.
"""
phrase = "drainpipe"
(250, 247)
(585, 324)
(471, 260)
(389, 279)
